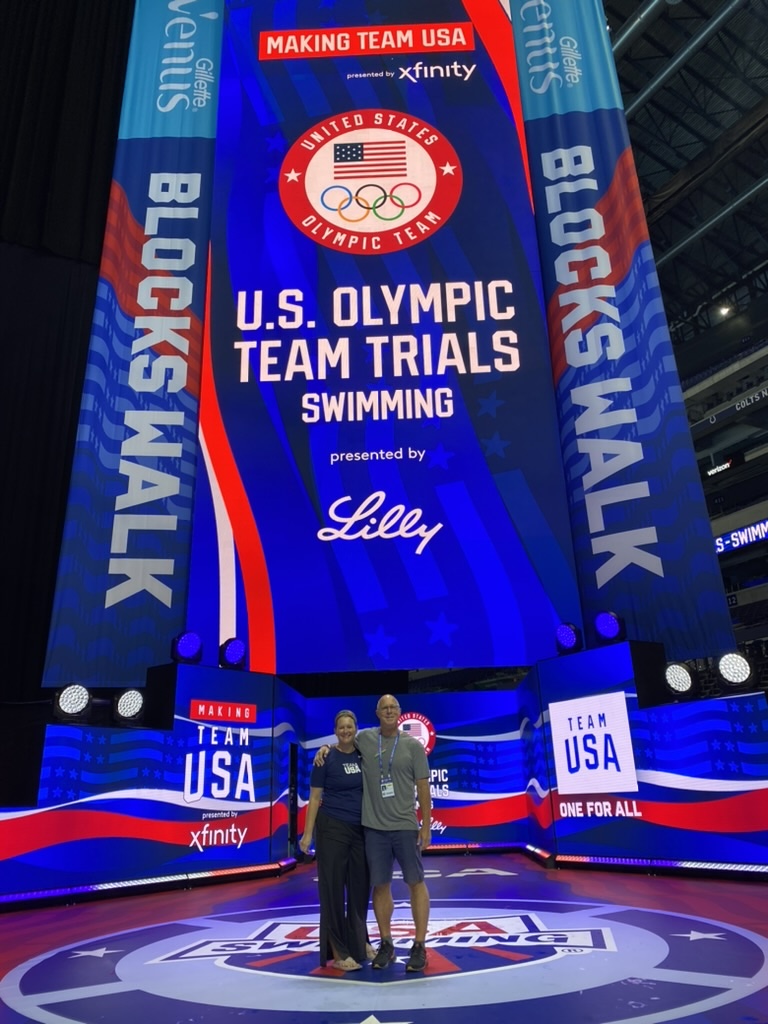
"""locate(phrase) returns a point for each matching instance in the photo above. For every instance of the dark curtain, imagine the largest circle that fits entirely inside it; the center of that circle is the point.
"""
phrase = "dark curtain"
(62, 65)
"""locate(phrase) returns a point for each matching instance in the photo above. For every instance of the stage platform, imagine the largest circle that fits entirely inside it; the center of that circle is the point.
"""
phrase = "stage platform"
(509, 940)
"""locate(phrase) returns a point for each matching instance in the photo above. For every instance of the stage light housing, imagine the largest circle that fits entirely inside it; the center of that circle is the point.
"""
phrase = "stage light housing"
(568, 638)
(128, 706)
(609, 627)
(734, 668)
(187, 648)
(232, 653)
(72, 703)
(679, 679)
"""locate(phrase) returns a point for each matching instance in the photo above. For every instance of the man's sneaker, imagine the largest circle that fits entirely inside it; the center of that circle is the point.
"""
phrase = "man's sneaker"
(417, 961)
(385, 955)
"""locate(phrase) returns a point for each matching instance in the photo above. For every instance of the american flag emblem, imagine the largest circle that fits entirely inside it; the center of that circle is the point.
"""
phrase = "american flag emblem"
(369, 159)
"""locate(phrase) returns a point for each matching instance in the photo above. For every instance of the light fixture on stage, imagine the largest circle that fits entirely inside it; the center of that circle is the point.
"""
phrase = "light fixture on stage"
(568, 638)
(679, 679)
(128, 706)
(72, 704)
(232, 653)
(187, 648)
(609, 627)
(734, 669)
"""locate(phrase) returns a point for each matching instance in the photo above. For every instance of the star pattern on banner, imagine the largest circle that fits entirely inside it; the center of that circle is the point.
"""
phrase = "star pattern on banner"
(496, 446)
(439, 456)
(441, 630)
(489, 405)
(379, 643)
(275, 144)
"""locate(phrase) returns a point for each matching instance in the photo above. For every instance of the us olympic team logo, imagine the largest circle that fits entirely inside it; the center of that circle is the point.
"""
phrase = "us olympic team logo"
(420, 727)
(370, 181)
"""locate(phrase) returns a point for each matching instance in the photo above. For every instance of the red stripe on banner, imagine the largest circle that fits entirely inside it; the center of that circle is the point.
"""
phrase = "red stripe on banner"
(540, 812)
(46, 829)
(258, 595)
(745, 812)
(121, 267)
(121, 255)
(489, 812)
(624, 216)
(741, 813)
(495, 31)
(625, 231)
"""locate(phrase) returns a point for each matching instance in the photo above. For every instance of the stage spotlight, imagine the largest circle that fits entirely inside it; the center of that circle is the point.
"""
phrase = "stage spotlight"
(609, 627)
(232, 653)
(679, 679)
(128, 706)
(568, 638)
(187, 648)
(72, 704)
(734, 668)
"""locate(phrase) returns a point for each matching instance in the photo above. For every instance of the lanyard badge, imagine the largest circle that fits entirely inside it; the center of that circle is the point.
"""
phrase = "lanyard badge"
(387, 785)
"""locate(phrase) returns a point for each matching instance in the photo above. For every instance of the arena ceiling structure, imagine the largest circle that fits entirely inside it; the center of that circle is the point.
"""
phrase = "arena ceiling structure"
(694, 78)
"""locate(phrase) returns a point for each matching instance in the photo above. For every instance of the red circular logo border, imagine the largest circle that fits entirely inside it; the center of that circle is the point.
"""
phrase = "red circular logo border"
(305, 217)
(415, 716)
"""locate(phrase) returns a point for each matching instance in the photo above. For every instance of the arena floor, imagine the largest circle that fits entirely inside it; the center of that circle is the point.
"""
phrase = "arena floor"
(509, 941)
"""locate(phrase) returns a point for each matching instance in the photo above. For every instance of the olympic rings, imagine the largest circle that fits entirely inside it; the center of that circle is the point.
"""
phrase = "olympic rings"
(330, 189)
(372, 184)
(377, 203)
(407, 184)
(365, 205)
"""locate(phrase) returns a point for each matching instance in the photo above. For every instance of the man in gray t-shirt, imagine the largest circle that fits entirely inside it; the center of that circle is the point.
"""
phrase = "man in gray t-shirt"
(394, 764)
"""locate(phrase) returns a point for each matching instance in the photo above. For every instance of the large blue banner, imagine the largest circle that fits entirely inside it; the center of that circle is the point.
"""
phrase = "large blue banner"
(641, 534)
(680, 784)
(383, 484)
(122, 582)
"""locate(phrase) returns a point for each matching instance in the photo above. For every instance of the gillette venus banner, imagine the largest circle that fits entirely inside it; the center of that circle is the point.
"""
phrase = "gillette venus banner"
(122, 581)
(383, 483)
(642, 540)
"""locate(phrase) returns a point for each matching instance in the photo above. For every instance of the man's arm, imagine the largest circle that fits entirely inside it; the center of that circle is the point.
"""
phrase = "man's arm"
(320, 756)
(424, 800)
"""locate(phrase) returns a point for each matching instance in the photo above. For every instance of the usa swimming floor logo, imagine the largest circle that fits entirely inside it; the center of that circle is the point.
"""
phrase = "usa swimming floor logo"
(552, 960)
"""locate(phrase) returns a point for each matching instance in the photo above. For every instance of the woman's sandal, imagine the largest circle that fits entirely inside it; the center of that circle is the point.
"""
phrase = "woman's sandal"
(347, 965)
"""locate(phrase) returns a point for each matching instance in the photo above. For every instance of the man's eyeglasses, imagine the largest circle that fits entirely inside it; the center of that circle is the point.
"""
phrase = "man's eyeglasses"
(389, 707)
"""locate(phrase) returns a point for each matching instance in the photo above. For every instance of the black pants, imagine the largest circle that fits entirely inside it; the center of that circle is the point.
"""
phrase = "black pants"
(344, 888)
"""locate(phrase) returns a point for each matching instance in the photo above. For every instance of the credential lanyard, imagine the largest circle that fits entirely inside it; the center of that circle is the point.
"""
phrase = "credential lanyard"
(391, 757)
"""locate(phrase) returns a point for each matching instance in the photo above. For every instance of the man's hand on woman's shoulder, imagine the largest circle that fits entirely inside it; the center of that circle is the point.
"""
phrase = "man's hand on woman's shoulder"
(320, 756)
